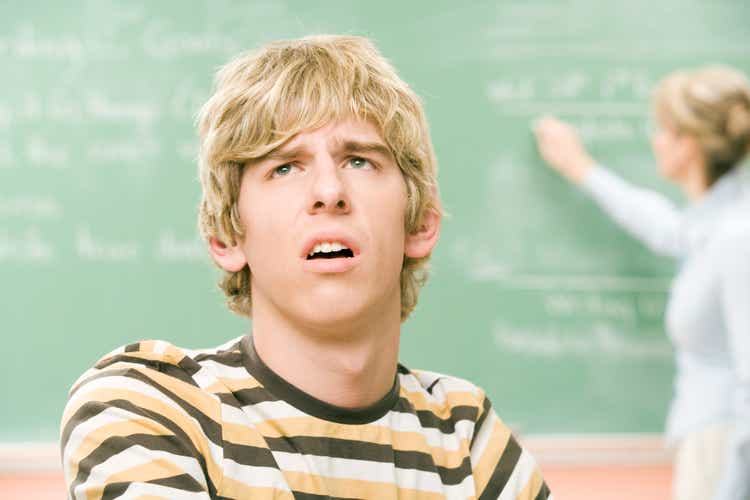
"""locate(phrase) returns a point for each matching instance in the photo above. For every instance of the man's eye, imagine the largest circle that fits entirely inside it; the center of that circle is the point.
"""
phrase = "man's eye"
(282, 170)
(360, 163)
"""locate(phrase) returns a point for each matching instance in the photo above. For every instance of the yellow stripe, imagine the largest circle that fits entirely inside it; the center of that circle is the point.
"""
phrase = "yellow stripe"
(400, 441)
(354, 488)
(95, 438)
(206, 403)
(492, 452)
(140, 354)
(184, 422)
(175, 353)
(242, 435)
(223, 385)
(531, 490)
(442, 410)
(231, 488)
(195, 396)
(147, 345)
(156, 469)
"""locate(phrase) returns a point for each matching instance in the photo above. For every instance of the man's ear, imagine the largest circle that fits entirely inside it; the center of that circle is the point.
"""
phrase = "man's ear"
(421, 242)
(229, 258)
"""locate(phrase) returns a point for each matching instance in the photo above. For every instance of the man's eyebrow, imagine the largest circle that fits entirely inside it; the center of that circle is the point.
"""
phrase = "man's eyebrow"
(280, 155)
(350, 146)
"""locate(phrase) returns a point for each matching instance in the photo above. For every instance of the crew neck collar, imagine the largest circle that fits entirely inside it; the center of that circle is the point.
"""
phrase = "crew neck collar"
(311, 405)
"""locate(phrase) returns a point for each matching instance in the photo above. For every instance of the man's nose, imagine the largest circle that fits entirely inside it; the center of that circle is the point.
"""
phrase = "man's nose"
(328, 193)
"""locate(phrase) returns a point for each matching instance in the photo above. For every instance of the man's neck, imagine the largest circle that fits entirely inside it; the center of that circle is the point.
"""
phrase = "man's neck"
(350, 369)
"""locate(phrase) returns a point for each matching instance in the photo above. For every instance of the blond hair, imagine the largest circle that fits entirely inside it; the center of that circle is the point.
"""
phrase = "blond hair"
(712, 104)
(263, 98)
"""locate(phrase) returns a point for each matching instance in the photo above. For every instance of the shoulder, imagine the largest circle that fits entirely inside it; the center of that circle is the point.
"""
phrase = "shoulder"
(445, 395)
(731, 240)
(194, 367)
(149, 400)
(152, 378)
(501, 467)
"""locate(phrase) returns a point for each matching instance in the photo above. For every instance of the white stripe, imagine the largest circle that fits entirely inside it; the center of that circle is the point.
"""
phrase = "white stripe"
(519, 477)
(448, 383)
(482, 438)
(419, 480)
(160, 346)
(407, 422)
(132, 457)
(418, 381)
(204, 378)
(120, 382)
(272, 410)
(261, 477)
(360, 470)
(224, 371)
(85, 375)
(394, 421)
(465, 489)
(81, 431)
(211, 350)
(137, 490)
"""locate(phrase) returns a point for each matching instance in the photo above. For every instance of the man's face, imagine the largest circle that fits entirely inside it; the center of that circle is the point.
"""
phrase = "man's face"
(324, 227)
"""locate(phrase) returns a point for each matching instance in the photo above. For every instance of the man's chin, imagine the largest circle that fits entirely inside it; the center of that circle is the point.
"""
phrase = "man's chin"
(341, 316)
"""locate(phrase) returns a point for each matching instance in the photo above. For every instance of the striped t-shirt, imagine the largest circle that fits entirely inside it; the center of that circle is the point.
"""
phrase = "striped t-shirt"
(151, 420)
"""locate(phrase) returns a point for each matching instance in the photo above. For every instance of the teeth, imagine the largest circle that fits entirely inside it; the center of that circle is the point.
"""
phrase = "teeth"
(327, 247)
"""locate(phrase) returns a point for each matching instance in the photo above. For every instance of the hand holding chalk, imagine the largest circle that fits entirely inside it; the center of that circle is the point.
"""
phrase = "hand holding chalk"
(561, 147)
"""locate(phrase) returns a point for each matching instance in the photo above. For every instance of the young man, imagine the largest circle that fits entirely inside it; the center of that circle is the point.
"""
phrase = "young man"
(321, 206)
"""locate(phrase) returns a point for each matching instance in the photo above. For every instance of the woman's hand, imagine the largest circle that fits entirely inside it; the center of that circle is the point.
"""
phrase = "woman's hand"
(561, 147)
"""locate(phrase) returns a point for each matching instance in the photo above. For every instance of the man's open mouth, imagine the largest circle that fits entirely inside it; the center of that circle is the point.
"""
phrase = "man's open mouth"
(330, 250)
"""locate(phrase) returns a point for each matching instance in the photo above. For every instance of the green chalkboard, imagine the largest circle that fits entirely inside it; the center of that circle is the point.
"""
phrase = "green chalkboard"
(534, 295)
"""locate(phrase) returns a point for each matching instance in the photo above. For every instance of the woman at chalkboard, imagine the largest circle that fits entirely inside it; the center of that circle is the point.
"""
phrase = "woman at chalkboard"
(702, 137)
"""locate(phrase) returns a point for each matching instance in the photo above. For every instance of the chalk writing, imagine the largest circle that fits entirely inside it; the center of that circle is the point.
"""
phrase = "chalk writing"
(30, 246)
(102, 106)
(554, 341)
(30, 207)
(132, 151)
(26, 43)
(563, 305)
(89, 247)
(172, 248)
(159, 41)
(42, 153)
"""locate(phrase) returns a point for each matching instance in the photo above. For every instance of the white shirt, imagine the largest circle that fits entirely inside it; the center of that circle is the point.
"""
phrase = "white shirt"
(708, 313)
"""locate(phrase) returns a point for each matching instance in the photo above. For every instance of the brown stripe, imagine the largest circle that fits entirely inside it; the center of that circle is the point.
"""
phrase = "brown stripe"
(503, 470)
(180, 435)
(486, 407)
(249, 455)
(367, 451)
(232, 359)
(543, 492)
(184, 482)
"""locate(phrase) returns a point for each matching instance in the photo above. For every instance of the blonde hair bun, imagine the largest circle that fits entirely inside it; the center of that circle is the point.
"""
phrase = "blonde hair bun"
(738, 122)
(713, 105)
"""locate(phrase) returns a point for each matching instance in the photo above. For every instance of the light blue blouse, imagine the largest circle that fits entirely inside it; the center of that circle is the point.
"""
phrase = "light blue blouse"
(708, 313)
